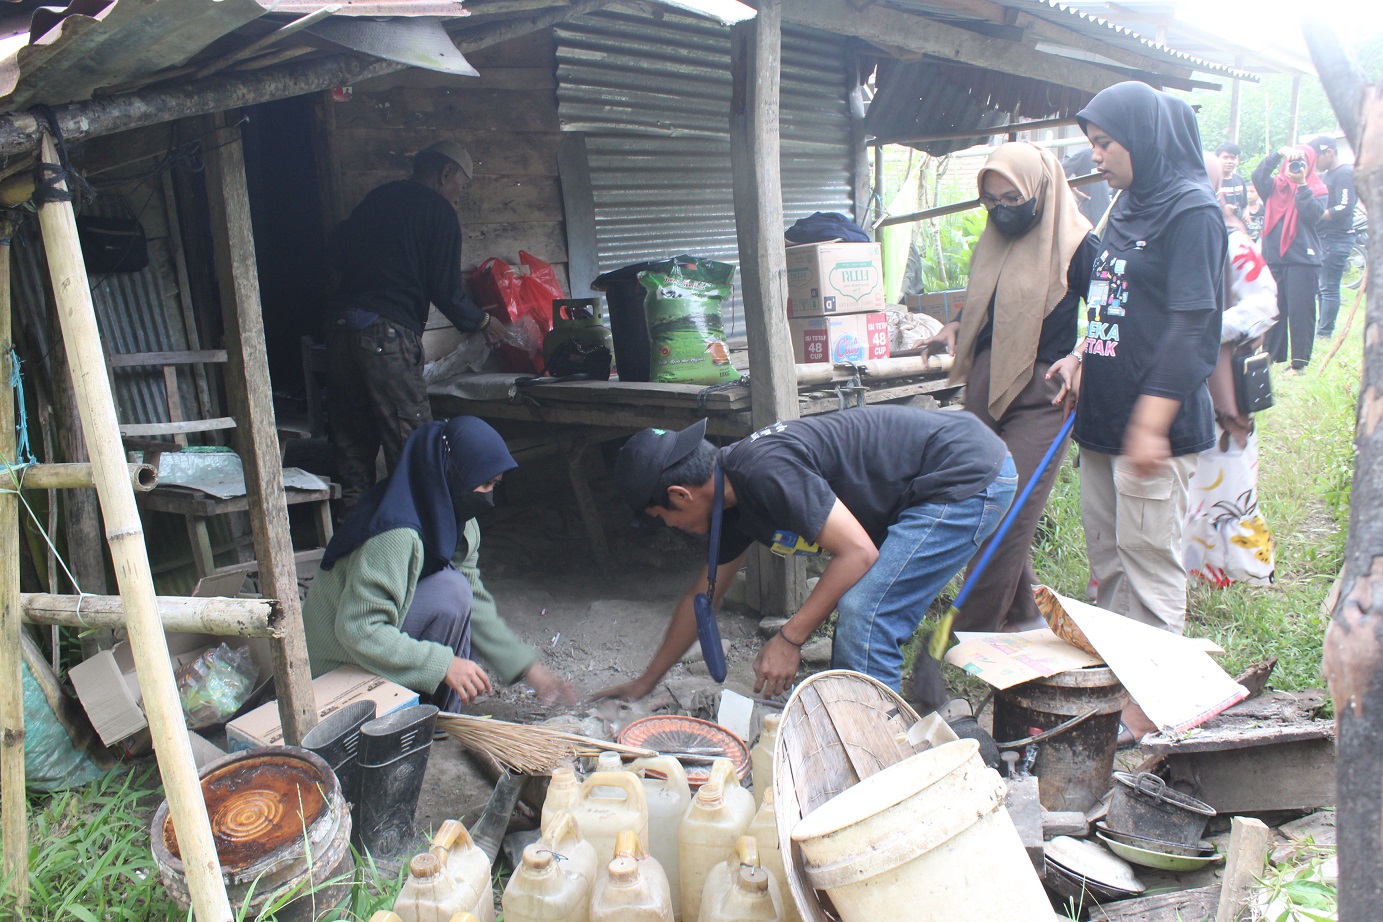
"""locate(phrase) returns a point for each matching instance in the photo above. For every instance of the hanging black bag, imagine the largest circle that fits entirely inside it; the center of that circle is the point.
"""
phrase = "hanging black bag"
(112, 244)
(1252, 387)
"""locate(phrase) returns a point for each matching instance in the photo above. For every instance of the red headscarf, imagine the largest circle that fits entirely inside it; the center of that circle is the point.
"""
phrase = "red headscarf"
(1282, 203)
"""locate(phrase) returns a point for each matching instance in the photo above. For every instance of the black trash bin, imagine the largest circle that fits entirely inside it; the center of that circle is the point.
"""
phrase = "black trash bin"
(628, 323)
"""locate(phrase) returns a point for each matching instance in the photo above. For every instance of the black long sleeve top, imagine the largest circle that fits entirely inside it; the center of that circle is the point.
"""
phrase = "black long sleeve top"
(1306, 247)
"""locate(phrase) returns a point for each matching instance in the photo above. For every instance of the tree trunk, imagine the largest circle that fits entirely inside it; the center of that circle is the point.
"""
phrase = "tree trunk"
(1354, 641)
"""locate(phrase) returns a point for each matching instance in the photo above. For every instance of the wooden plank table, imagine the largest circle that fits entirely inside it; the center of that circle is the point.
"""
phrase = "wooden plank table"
(578, 415)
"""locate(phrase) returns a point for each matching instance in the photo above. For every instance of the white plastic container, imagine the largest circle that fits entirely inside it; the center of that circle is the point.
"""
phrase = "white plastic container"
(761, 757)
(563, 837)
(431, 894)
(764, 829)
(927, 840)
(609, 803)
(748, 897)
(632, 887)
(709, 831)
(467, 865)
(739, 797)
(541, 890)
(563, 792)
(668, 797)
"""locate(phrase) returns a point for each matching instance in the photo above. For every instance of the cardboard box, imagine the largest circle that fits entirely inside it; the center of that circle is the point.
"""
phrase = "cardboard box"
(842, 338)
(333, 691)
(943, 305)
(834, 278)
(107, 684)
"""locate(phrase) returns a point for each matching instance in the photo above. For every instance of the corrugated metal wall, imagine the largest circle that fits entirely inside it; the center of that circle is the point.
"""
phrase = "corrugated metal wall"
(653, 98)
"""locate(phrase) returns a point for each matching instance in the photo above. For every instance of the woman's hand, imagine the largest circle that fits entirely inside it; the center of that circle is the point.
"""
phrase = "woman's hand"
(1068, 370)
(467, 679)
(551, 687)
(944, 341)
(776, 666)
(625, 691)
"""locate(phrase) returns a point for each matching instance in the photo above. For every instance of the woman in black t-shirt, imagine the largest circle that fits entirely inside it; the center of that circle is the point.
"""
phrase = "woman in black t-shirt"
(1028, 273)
(1154, 306)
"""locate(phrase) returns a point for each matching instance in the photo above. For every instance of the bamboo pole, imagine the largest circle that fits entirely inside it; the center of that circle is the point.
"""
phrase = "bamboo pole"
(219, 617)
(125, 535)
(901, 367)
(143, 477)
(15, 822)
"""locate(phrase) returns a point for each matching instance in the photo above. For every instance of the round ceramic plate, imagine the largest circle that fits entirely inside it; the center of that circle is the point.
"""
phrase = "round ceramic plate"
(1152, 859)
(674, 734)
(1093, 862)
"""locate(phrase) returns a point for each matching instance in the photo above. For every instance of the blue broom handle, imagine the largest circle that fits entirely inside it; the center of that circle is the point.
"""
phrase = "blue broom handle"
(1013, 511)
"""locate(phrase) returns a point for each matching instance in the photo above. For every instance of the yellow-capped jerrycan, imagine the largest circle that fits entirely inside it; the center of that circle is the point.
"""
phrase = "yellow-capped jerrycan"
(721, 900)
(739, 797)
(709, 831)
(541, 890)
(668, 795)
(563, 792)
(468, 866)
(632, 887)
(764, 829)
(609, 803)
(430, 893)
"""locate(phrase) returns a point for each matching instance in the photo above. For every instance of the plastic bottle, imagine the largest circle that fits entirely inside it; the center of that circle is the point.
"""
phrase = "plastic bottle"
(761, 757)
(749, 898)
(668, 797)
(430, 893)
(563, 792)
(541, 890)
(609, 803)
(740, 798)
(468, 867)
(710, 829)
(764, 829)
(631, 888)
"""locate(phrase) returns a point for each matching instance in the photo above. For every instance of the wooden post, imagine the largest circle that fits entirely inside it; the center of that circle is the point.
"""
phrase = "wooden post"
(1236, 102)
(125, 534)
(1249, 842)
(251, 396)
(1293, 110)
(15, 822)
(756, 72)
(1353, 662)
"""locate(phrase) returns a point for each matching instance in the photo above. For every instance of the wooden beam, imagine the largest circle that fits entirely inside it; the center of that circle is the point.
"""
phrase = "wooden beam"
(13, 805)
(888, 28)
(180, 614)
(756, 75)
(961, 135)
(251, 395)
(1249, 842)
(578, 207)
(125, 535)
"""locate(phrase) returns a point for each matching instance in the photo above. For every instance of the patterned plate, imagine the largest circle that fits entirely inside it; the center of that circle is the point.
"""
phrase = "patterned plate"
(674, 734)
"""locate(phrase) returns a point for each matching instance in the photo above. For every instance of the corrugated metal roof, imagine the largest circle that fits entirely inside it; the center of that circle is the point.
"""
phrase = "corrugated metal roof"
(1096, 27)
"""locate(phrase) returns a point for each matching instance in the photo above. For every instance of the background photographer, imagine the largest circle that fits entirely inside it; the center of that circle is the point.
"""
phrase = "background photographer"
(1336, 229)
(1294, 200)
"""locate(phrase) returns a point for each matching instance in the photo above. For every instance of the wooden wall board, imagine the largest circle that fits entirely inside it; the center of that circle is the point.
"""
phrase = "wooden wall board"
(507, 110)
(367, 148)
(1296, 775)
(1196, 905)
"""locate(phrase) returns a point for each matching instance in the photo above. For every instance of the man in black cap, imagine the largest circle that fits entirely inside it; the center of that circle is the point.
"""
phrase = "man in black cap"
(398, 252)
(1233, 189)
(900, 498)
(1336, 228)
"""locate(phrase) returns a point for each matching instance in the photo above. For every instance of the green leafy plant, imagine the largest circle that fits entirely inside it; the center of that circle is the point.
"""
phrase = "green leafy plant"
(1302, 890)
(944, 252)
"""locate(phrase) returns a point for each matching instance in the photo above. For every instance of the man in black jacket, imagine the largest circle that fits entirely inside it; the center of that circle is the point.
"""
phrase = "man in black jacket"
(398, 252)
(1336, 228)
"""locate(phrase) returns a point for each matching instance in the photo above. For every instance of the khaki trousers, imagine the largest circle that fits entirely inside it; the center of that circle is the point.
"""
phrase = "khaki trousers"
(1133, 536)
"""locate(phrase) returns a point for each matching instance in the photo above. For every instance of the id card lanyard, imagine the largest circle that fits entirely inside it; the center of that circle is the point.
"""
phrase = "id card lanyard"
(707, 630)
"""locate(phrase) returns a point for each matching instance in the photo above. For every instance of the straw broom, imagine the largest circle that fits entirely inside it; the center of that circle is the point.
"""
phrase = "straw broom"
(527, 749)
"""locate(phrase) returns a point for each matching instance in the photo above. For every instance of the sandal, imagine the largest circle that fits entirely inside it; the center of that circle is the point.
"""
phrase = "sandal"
(1126, 738)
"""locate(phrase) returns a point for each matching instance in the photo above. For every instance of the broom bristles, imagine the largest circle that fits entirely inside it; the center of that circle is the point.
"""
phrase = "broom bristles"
(531, 750)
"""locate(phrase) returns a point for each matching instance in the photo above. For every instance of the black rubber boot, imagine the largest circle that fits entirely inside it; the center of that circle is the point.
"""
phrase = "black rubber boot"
(393, 760)
(336, 739)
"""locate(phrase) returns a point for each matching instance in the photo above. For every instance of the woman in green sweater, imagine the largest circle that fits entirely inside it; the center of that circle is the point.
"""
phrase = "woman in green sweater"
(399, 592)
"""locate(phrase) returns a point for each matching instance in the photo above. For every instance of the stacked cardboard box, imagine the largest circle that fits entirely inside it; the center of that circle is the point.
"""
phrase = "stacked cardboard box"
(836, 302)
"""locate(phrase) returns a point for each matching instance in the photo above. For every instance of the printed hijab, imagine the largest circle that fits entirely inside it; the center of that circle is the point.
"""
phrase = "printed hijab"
(439, 460)
(1282, 202)
(1169, 178)
(1024, 276)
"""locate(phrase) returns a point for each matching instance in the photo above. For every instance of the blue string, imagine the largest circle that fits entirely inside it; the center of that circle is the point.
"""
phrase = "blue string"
(25, 455)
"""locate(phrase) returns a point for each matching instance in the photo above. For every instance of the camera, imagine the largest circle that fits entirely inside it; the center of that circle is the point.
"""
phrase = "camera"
(1296, 165)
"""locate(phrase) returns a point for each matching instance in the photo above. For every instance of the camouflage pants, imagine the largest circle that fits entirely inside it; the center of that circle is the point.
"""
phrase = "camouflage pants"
(377, 399)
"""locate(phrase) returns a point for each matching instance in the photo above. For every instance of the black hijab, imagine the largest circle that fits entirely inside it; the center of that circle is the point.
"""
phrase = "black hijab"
(439, 460)
(1161, 135)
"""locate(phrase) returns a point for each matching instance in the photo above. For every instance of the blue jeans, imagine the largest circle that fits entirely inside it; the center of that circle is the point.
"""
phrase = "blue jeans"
(1334, 259)
(928, 545)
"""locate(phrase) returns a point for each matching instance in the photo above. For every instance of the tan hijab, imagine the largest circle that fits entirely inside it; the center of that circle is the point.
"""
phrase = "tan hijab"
(1026, 275)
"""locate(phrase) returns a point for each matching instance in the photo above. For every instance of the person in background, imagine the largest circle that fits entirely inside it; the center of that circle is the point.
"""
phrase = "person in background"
(398, 252)
(901, 498)
(1253, 215)
(1028, 272)
(1294, 200)
(399, 592)
(1226, 537)
(1336, 228)
(1233, 189)
(1154, 306)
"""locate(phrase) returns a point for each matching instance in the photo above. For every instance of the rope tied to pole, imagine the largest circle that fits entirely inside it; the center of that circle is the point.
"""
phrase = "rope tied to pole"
(56, 182)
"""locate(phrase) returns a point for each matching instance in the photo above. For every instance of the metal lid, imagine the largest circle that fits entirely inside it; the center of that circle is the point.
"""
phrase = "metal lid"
(1094, 862)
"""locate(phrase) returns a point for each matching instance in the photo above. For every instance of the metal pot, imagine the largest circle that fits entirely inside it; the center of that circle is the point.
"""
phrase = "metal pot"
(1144, 806)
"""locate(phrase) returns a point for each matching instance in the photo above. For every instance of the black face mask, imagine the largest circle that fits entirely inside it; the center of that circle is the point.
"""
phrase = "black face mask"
(470, 504)
(1014, 220)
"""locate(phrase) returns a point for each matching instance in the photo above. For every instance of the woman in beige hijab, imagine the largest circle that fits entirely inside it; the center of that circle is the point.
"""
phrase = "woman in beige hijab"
(1028, 272)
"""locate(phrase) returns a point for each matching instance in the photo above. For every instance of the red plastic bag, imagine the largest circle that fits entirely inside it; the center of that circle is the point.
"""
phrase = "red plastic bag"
(523, 301)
